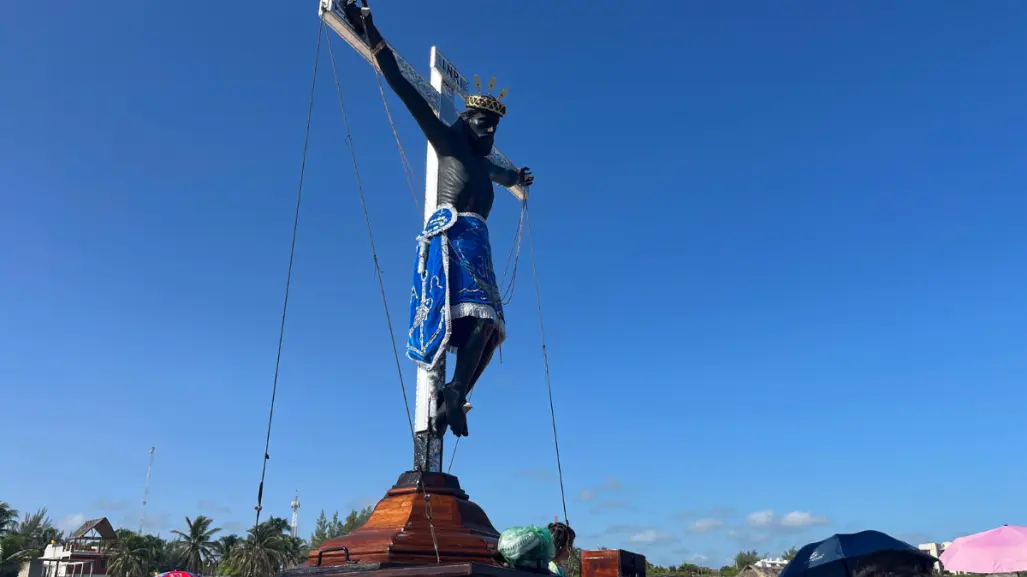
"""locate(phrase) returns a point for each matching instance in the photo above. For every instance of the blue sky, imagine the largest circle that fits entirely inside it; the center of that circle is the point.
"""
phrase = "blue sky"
(780, 245)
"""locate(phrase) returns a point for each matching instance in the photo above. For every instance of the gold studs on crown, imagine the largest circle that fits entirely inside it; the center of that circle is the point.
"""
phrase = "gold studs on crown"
(485, 100)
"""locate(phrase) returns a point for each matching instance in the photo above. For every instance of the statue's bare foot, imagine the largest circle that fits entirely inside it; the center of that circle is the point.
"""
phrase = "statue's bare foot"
(453, 404)
(439, 419)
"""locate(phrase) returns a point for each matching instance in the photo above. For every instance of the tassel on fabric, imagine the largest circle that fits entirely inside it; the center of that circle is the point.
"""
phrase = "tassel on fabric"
(421, 262)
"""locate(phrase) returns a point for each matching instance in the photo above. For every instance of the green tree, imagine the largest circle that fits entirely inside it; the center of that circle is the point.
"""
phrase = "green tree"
(24, 539)
(320, 534)
(654, 569)
(746, 558)
(572, 565)
(224, 549)
(278, 524)
(225, 545)
(37, 531)
(262, 553)
(326, 529)
(729, 571)
(790, 553)
(132, 555)
(355, 520)
(195, 547)
(690, 569)
(334, 526)
(163, 554)
(12, 551)
(8, 518)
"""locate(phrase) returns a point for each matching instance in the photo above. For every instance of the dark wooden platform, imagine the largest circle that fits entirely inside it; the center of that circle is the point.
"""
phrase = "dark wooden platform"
(426, 519)
(426, 526)
(400, 570)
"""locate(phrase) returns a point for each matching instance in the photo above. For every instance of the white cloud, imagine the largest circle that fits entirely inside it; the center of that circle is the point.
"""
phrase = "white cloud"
(586, 495)
(651, 537)
(749, 538)
(71, 522)
(213, 507)
(760, 519)
(234, 527)
(612, 484)
(700, 558)
(155, 522)
(705, 525)
(797, 519)
(622, 529)
(603, 506)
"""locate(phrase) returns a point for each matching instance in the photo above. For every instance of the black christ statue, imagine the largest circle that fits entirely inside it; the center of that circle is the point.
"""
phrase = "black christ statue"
(455, 300)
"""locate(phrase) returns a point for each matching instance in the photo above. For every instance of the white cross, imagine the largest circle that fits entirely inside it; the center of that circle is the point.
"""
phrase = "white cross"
(440, 92)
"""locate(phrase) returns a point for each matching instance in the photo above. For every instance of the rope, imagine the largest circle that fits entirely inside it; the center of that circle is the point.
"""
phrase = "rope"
(515, 254)
(408, 172)
(507, 298)
(288, 276)
(515, 247)
(545, 359)
(431, 523)
(370, 237)
(456, 445)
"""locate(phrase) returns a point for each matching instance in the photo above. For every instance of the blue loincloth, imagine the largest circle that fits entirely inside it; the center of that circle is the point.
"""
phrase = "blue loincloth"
(453, 278)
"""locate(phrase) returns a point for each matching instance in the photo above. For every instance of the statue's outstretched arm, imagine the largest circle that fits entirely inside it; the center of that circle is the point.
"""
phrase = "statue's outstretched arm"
(506, 177)
(435, 130)
(503, 176)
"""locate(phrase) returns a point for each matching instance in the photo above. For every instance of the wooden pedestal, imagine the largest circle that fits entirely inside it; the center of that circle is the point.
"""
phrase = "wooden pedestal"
(425, 519)
(380, 570)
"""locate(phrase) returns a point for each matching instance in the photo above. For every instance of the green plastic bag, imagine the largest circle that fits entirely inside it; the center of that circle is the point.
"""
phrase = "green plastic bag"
(528, 547)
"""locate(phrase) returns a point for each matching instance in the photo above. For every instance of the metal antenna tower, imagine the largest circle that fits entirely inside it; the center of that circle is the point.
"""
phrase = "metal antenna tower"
(146, 490)
(295, 505)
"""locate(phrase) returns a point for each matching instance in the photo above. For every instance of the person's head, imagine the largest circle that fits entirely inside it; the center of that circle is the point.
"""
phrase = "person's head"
(563, 540)
(894, 564)
(480, 127)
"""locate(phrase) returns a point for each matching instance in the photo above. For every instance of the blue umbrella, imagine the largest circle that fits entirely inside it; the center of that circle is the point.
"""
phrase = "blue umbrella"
(837, 555)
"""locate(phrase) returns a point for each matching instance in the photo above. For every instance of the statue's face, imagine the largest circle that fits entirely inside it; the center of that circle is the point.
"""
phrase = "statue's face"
(482, 130)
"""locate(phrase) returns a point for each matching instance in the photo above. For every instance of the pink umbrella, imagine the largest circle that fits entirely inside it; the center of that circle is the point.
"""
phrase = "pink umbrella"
(1001, 550)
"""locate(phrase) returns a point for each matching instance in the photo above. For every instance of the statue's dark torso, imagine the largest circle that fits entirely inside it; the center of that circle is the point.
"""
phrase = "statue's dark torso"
(465, 181)
(465, 177)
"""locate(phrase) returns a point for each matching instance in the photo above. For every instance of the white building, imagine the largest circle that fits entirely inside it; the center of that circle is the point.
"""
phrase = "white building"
(771, 563)
(80, 556)
(935, 550)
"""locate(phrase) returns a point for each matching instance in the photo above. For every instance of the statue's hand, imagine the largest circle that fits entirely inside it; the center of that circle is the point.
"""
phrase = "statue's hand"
(362, 22)
(352, 13)
(524, 177)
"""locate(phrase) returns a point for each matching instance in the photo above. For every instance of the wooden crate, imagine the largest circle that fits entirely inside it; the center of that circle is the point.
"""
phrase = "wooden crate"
(612, 563)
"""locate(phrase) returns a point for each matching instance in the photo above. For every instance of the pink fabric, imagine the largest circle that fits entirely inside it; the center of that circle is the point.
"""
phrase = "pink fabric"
(1001, 550)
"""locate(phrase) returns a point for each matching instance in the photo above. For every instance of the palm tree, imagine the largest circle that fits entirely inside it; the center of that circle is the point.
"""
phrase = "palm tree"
(37, 530)
(293, 548)
(196, 545)
(8, 518)
(224, 546)
(278, 524)
(132, 556)
(263, 552)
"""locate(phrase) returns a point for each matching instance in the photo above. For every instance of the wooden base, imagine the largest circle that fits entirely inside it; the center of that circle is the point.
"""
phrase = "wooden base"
(383, 570)
(425, 519)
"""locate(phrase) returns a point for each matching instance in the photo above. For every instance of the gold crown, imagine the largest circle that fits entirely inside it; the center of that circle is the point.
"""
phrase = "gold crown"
(485, 101)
